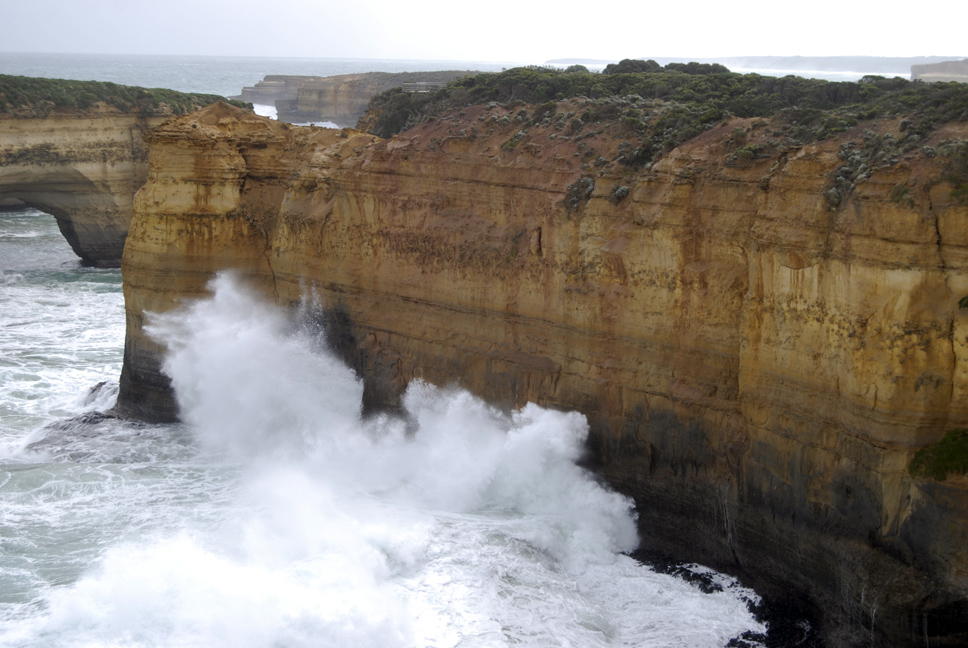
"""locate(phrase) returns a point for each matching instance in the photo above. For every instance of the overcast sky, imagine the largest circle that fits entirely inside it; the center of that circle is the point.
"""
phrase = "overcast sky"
(485, 30)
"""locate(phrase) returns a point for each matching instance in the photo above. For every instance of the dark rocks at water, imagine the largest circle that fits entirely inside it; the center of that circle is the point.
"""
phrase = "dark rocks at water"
(83, 421)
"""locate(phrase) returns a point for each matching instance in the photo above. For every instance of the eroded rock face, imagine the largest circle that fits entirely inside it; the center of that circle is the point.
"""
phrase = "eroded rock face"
(83, 168)
(757, 366)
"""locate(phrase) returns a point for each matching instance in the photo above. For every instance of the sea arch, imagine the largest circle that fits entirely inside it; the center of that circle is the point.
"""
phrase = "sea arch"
(83, 169)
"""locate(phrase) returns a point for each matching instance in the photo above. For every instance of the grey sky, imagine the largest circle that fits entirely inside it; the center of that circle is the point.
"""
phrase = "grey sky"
(501, 30)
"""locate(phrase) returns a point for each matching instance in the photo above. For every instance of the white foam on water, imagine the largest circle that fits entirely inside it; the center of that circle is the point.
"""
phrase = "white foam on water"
(272, 113)
(320, 124)
(265, 110)
(291, 521)
(61, 329)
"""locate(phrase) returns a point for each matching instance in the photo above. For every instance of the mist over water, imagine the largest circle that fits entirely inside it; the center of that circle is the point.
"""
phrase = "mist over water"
(272, 113)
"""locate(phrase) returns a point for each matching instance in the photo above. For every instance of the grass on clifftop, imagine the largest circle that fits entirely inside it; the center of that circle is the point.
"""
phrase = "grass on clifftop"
(946, 457)
(673, 104)
(35, 97)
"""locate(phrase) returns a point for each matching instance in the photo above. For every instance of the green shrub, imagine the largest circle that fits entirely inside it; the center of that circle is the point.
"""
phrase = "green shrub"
(946, 457)
(709, 91)
(38, 96)
(748, 153)
(902, 195)
(955, 154)
(579, 193)
(575, 126)
(619, 193)
(626, 66)
(659, 108)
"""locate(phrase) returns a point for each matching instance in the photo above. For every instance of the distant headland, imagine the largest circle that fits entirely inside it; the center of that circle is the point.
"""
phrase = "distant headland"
(832, 68)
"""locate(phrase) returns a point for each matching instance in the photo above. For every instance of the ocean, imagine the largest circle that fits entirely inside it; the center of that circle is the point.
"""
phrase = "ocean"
(275, 514)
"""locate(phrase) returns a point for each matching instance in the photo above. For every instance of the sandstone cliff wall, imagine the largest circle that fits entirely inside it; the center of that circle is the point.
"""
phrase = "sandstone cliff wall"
(941, 72)
(83, 168)
(758, 367)
(274, 87)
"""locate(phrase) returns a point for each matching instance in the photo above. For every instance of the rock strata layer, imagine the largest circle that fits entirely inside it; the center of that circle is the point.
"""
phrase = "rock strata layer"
(83, 167)
(758, 358)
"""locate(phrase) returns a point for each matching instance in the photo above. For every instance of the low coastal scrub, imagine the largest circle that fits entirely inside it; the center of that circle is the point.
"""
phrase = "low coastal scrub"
(661, 107)
(955, 155)
(29, 96)
(946, 457)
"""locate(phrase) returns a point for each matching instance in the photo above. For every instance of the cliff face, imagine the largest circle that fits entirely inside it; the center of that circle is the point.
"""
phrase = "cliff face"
(83, 168)
(941, 72)
(759, 356)
(340, 99)
(274, 87)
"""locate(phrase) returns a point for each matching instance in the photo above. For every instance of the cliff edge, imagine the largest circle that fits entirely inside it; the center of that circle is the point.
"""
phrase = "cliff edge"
(761, 332)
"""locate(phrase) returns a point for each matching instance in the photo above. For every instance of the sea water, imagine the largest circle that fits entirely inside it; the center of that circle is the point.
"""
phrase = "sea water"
(222, 75)
(275, 514)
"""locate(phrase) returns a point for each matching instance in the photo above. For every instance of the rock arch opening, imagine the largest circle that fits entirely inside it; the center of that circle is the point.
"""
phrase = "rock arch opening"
(82, 168)
(93, 220)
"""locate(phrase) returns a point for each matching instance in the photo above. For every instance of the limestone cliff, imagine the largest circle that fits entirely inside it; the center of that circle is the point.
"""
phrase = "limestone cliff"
(760, 336)
(83, 167)
(941, 72)
(275, 87)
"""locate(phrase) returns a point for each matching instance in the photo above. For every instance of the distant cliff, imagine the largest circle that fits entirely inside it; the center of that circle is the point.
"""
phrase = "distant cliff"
(340, 99)
(75, 149)
(815, 66)
(940, 72)
(762, 333)
(275, 87)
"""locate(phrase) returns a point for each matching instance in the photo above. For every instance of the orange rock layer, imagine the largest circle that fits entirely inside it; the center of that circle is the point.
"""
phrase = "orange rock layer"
(758, 367)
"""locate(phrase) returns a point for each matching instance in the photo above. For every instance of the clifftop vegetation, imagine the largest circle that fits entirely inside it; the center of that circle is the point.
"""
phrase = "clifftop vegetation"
(29, 96)
(665, 106)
